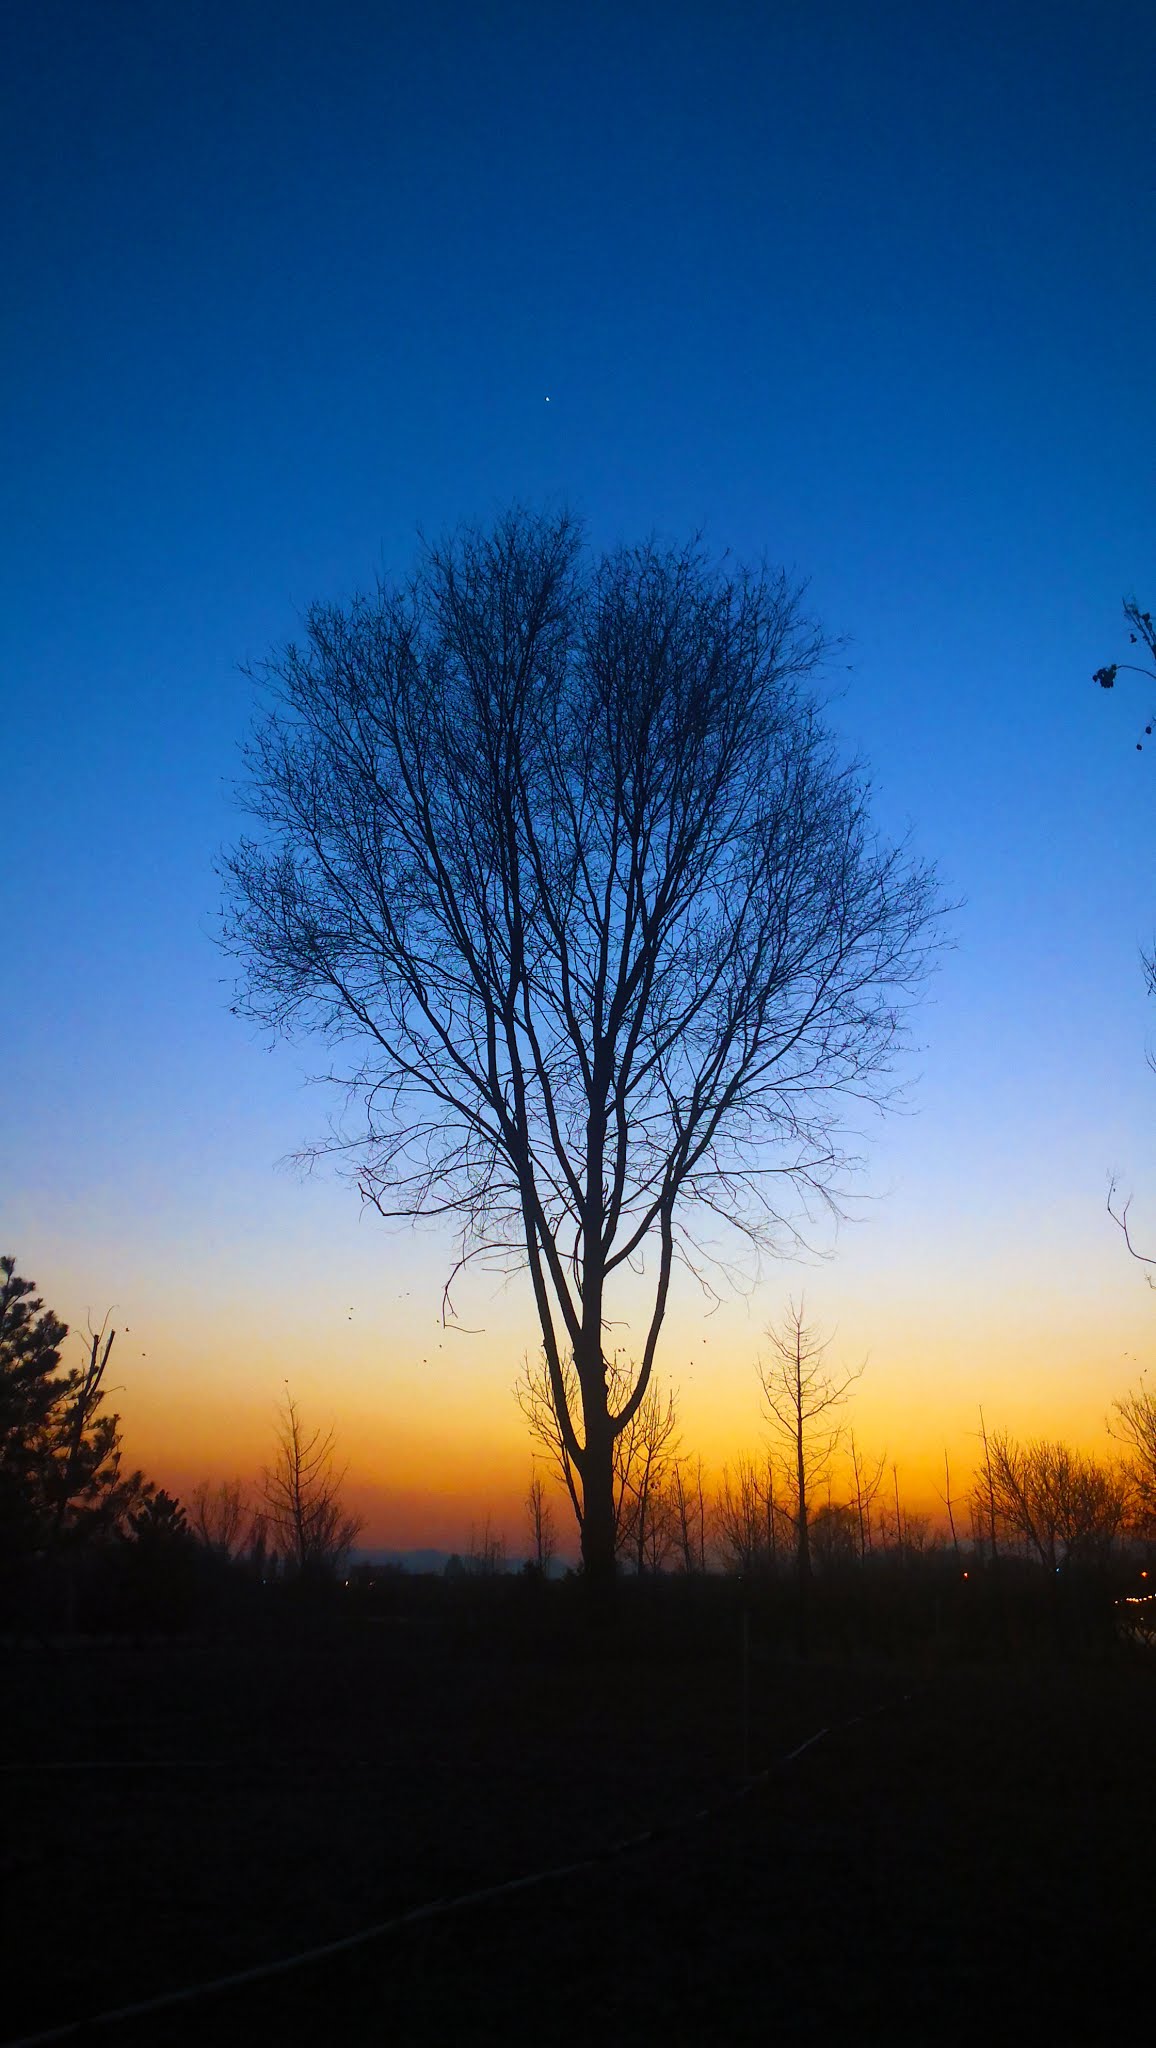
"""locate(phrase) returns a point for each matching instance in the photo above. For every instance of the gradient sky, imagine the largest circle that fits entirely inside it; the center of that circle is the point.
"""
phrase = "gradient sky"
(868, 288)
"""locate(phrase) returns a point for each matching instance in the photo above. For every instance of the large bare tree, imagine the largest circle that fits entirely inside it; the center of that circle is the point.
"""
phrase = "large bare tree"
(561, 851)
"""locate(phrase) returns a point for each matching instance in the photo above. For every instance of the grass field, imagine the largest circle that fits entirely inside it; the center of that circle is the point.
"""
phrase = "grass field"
(974, 1857)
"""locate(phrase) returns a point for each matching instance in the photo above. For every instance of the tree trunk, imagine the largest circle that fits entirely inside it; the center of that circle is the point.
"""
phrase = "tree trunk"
(599, 1532)
(598, 1549)
(803, 1531)
(598, 1519)
(803, 1542)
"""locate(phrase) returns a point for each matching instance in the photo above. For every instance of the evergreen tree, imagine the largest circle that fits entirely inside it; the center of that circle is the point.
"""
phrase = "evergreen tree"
(30, 1341)
(60, 1457)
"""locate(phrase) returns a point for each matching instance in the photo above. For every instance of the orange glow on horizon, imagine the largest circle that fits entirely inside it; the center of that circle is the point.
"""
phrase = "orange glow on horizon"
(425, 1416)
(429, 1459)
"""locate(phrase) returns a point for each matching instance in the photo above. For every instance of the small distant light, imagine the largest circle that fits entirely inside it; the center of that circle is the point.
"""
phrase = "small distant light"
(1143, 1575)
(966, 1575)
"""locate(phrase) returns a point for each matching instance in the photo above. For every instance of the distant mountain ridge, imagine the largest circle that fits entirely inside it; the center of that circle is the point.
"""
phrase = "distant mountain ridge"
(409, 1560)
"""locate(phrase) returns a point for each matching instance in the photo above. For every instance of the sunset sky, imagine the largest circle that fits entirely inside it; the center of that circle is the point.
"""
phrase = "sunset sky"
(868, 289)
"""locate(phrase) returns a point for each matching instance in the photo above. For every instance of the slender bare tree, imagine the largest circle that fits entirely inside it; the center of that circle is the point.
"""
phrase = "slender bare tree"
(900, 1517)
(802, 1399)
(302, 1494)
(562, 851)
(688, 1499)
(534, 1393)
(948, 1503)
(983, 1506)
(866, 1479)
(543, 1528)
(486, 1555)
(648, 1458)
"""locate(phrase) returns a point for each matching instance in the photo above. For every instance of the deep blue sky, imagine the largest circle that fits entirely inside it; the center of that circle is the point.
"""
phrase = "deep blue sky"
(868, 288)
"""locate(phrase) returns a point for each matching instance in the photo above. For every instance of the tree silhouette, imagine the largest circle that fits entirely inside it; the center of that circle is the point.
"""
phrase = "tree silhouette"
(647, 1457)
(31, 1393)
(688, 1502)
(543, 1532)
(866, 1479)
(85, 1489)
(562, 852)
(748, 1515)
(644, 1456)
(160, 1522)
(1062, 1505)
(801, 1398)
(221, 1517)
(534, 1394)
(302, 1493)
(60, 1455)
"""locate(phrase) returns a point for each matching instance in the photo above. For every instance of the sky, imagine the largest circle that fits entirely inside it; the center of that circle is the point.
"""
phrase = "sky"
(867, 291)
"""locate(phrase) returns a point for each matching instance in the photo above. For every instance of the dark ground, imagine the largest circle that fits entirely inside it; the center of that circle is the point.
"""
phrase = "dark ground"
(976, 1859)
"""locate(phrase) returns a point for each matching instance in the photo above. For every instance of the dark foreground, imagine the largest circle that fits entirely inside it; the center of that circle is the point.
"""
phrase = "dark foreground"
(973, 1861)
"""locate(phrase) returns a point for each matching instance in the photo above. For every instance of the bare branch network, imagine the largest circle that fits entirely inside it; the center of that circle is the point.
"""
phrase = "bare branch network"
(563, 849)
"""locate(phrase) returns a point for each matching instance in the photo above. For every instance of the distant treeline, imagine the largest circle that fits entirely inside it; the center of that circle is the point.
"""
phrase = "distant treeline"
(810, 1532)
